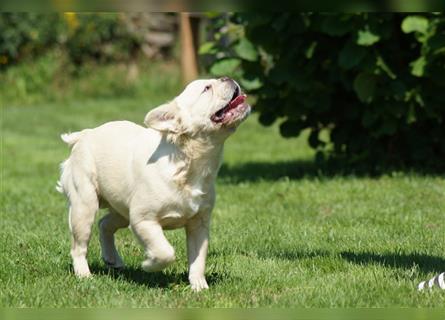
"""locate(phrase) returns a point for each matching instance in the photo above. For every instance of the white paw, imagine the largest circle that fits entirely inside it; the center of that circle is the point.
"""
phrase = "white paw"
(82, 273)
(153, 265)
(198, 283)
(81, 269)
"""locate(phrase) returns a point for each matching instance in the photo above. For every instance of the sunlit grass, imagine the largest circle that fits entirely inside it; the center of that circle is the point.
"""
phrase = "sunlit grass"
(283, 233)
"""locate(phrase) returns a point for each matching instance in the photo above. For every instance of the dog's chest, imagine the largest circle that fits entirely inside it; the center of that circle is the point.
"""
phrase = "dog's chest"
(190, 201)
(194, 200)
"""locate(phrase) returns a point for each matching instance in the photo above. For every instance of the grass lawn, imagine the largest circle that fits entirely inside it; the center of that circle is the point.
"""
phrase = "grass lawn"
(283, 233)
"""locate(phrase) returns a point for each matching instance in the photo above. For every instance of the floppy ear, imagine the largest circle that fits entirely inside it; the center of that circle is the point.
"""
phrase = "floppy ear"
(164, 118)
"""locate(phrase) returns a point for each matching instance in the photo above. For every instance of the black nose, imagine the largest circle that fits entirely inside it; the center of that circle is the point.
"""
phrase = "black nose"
(225, 79)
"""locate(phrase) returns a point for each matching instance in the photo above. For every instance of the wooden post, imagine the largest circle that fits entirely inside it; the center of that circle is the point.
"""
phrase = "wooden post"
(189, 64)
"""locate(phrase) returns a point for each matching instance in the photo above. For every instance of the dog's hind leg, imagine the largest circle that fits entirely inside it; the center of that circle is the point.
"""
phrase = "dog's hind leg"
(83, 208)
(108, 225)
(77, 181)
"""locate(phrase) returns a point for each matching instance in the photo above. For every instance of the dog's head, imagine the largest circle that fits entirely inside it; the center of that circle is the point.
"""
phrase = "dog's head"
(210, 106)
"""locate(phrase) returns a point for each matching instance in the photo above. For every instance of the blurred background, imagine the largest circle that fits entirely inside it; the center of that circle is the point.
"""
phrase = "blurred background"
(368, 89)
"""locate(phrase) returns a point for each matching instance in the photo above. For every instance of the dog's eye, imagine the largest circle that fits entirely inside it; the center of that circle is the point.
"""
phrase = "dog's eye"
(206, 88)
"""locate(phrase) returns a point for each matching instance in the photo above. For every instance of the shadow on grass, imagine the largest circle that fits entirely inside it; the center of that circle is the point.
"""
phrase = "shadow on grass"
(282, 255)
(151, 279)
(425, 263)
(298, 169)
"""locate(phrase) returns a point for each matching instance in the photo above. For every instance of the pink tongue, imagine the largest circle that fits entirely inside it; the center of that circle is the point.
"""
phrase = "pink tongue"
(238, 100)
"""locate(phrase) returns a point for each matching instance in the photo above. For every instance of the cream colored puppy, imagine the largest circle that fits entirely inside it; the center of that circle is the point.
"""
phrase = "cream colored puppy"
(155, 178)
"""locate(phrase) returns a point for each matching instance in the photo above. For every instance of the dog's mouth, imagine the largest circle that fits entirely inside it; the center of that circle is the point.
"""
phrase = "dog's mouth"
(233, 109)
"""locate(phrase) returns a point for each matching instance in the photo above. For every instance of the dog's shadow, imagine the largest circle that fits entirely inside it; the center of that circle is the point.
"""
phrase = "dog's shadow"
(162, 279)
(424, 263)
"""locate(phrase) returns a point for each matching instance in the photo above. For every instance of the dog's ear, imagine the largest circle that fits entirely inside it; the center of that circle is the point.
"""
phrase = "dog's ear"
(164, 118)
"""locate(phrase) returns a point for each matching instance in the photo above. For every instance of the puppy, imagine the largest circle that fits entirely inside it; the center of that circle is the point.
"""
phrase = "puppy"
(154, 178)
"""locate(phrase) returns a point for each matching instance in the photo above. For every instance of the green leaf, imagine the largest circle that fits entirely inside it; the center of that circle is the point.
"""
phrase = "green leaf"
(418, 67)
(310, 50)
(246, 50)
(382, 64)
(367, 38)
(418, 98)
(251, 84)
(415, 24)
(364, 86)
(411, 115)
(225, 67)
(207, 48)
(351, 55)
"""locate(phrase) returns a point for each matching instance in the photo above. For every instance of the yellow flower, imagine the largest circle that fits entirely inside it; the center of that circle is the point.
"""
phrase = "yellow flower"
(71, 20)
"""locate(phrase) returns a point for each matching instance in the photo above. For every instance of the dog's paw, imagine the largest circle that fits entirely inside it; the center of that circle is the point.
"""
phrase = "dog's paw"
(83, 274)
(114, 265)
(81, 269)
(153, 264)
(113, 261)
(198, 283)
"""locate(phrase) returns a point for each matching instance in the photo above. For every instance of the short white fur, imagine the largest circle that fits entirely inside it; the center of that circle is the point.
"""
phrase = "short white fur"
(155, 178)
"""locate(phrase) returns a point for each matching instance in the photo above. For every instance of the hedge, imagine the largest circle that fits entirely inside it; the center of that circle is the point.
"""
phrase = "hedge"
(374, 81)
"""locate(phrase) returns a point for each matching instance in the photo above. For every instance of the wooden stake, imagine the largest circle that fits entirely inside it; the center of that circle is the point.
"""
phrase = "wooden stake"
(189, 65)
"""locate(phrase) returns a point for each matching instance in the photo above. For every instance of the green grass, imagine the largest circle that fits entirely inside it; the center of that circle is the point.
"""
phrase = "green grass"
(283, 233)
(52, 77)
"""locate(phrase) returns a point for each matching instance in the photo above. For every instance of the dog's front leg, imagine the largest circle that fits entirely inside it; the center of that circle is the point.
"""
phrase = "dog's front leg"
(197, 231)
(159, 252)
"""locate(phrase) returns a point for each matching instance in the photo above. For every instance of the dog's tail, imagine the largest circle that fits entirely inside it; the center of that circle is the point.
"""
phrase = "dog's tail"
(71, 138)
(65, 167)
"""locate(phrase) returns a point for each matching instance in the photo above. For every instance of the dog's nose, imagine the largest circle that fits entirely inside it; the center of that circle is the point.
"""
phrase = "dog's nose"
(225, 79)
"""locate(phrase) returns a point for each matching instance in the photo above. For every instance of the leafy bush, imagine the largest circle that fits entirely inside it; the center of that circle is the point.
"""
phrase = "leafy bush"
(374, 81)
(85, 37)
(26, 34)
(97, 37)
(105, 37)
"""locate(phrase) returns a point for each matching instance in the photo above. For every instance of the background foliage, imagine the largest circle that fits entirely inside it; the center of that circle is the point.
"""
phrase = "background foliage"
(374, 81)
(49, 57)
(26, 34)
(105, 37)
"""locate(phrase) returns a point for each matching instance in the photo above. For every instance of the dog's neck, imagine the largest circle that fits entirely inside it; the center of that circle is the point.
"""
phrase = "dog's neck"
(199, 159)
